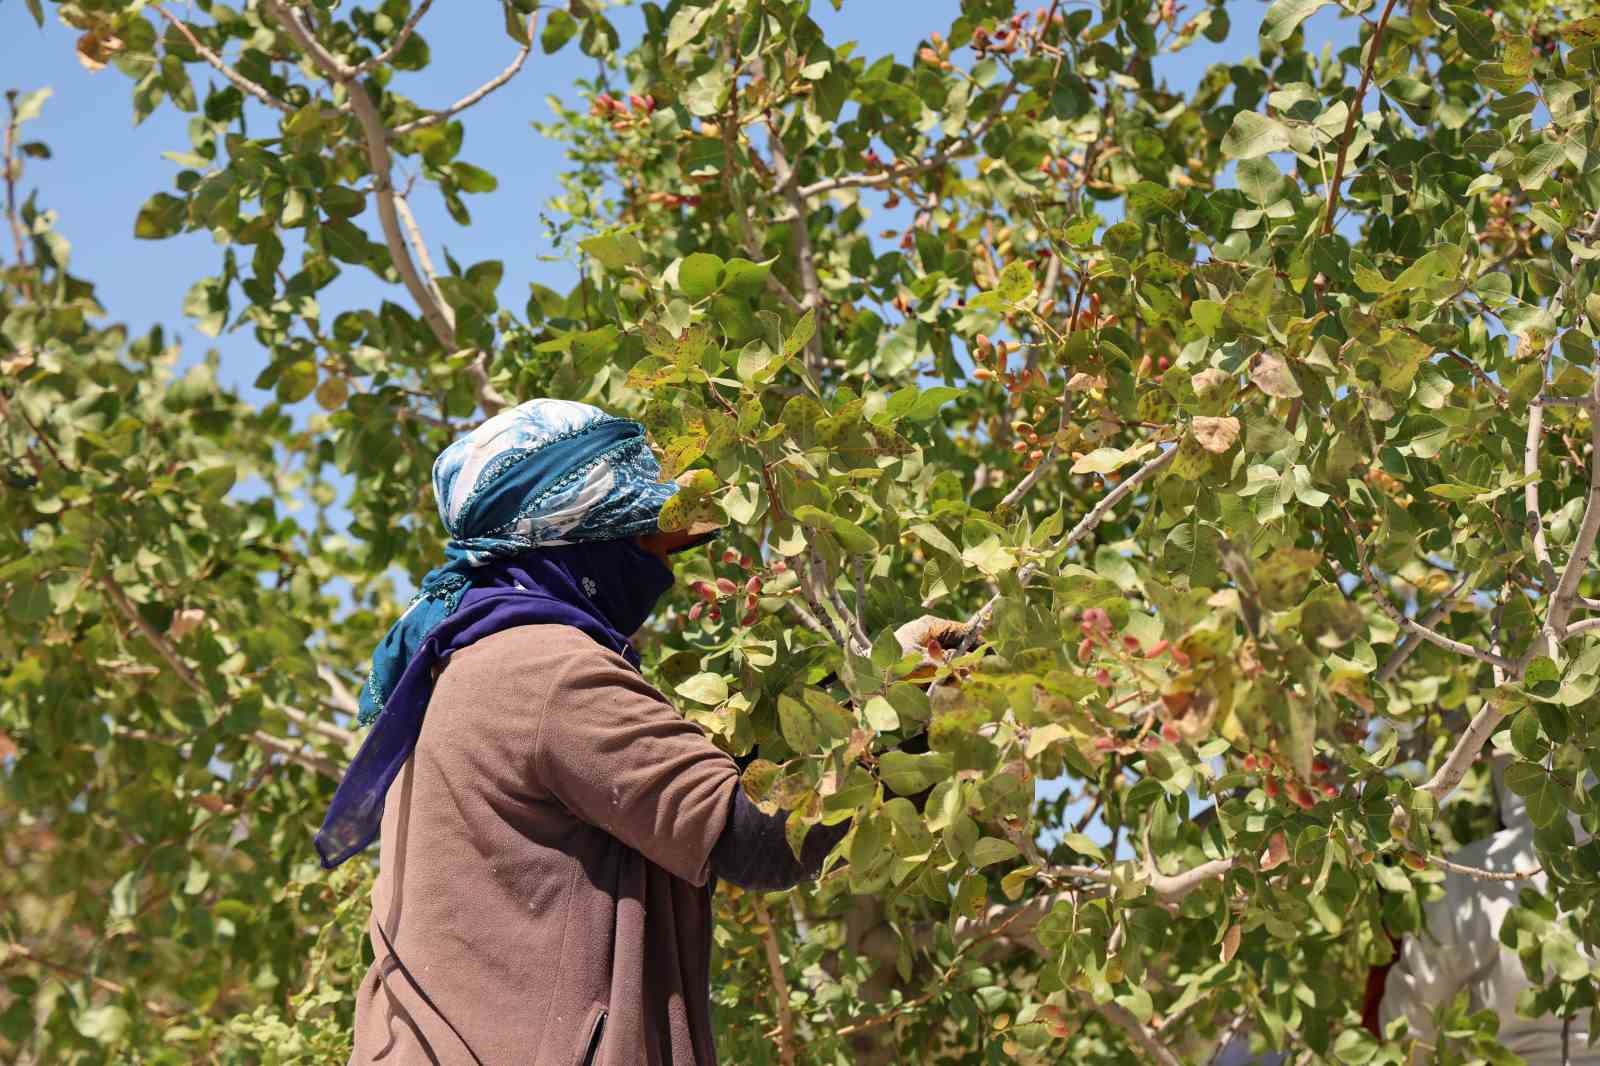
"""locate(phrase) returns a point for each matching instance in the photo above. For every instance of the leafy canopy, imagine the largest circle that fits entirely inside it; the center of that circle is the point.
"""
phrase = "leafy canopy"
(1249, 435)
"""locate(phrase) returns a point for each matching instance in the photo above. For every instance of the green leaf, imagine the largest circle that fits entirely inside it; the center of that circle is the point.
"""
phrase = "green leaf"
(798, 726)
(910, 774)
(990, 850)
(1474, 30)
(1285, 16)
(558, 30)
(29, 105)
(743, 278)
(1084, 846)
(1539, 788)
(699, 274)
(704, 687)
(614, 251)
(917, 405)
(104, 1025)
(1254, 134)
(161, 216)
(801, 336)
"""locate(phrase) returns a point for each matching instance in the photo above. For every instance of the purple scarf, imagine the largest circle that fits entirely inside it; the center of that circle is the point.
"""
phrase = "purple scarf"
(606, 589)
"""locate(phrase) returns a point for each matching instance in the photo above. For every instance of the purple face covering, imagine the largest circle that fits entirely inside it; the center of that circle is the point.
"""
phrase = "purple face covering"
(606, 589)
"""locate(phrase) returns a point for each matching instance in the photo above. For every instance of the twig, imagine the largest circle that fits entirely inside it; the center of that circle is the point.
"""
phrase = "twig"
(13, 170)
(434, 310)
(163, 647)
(1501, 396)
(1355, 110)
(316, 725)
(366, 67)
(20, 951)
(1415, 628)
(435, 117)
(780, 984)
(1227, 1037)
(221, 65)
(1392, 665)
(938, 159)
(1123, 1019)
(1047, 460)
(1483, 875)
(980, 620)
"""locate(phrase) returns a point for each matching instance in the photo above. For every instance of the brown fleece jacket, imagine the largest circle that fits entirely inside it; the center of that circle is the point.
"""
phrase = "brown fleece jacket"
(542, 897)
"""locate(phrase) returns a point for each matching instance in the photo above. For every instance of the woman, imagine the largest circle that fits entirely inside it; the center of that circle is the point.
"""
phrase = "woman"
(550, 825)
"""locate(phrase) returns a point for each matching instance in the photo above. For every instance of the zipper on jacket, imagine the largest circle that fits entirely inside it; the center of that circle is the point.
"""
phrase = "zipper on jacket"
(592, 1050)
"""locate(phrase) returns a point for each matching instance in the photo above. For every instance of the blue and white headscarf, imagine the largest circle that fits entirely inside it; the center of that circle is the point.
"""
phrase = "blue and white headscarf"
(543, 473)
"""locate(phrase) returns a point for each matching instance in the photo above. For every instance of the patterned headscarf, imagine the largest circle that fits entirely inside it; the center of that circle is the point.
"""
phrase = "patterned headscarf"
(543, 473)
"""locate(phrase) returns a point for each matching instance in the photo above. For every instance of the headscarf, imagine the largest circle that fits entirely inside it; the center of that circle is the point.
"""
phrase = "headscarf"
(564, 478)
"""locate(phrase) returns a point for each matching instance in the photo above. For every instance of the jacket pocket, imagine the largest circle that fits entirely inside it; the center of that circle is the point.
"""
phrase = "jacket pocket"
(593, 1034)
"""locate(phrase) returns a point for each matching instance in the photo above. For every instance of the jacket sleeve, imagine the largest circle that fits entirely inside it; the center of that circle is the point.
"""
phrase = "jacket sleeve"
(618, 756)
(754, 853)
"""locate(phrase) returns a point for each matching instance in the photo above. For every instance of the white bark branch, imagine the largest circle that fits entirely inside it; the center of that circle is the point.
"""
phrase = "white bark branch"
(433, 118)
(243, 83)
(1483, 875)
(368, 66)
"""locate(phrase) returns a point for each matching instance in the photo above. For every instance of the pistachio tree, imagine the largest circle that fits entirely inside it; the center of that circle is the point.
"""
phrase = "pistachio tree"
(1246, 439)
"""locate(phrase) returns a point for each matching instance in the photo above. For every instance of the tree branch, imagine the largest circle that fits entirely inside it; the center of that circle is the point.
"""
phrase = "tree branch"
(366, 67)
(313, 724)
(435, 311)
(1355, 112)
(243, 83)
(780, 984)
(1131, 1027)
(1392, 665)
(433, 118)
(805, 260)
(893, 174)
(21, 951)
(1483, 875)
(980, 620)
(1416, 629)
(163, 647)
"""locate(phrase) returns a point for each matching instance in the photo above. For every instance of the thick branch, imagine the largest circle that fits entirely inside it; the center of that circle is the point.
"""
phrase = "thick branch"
(376, 137)
(243, 83)
(780, 984)
(433, 118)
(1355, 111)
(804, 260)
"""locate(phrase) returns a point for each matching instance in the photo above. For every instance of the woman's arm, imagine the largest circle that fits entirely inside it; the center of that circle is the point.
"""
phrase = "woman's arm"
(753, 852)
